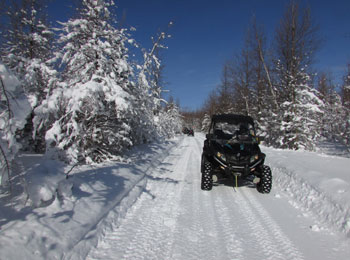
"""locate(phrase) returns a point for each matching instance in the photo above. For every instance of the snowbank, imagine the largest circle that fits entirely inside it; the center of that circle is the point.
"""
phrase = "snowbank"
(316, 183)
(73, 213)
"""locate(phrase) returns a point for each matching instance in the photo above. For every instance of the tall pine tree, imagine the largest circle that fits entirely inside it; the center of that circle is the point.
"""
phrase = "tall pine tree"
(301, 116)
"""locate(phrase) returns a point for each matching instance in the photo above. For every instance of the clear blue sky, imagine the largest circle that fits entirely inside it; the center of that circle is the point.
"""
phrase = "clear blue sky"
(206, 33)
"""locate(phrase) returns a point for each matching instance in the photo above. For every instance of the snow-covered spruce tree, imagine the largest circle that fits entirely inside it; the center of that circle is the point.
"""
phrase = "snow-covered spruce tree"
(301, 115)
(295, 45)
(92, 105)
(25, 52)
(14, 108)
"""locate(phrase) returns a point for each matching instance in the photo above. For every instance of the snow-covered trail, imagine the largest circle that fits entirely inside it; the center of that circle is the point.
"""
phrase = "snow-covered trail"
(174, 219)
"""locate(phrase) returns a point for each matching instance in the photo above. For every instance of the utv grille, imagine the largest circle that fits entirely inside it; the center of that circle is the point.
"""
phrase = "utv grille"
(238, 159)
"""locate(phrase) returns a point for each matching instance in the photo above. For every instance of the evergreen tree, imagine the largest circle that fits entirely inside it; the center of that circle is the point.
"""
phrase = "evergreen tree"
(92, 107)
(295, 124)
(301, 115)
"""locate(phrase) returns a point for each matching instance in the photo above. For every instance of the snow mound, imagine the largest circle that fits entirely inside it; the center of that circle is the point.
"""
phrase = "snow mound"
(45, 181)
(315, 183)
(68, 216)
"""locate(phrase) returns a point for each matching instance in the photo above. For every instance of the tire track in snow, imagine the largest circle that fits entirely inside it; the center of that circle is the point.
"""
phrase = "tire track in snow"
(206, 230)
(224, 209)
(260, 237)
(216, 238)
(241, 240)
(195, 223)
(151, 220)
(273, 242)
(231, 246)
(154, 238)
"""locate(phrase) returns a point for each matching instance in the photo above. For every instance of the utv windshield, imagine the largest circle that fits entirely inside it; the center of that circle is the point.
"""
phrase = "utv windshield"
(226, 131)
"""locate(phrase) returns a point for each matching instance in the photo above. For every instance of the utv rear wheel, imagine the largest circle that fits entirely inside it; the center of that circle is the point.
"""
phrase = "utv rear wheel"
(265, 184)
(207, 179)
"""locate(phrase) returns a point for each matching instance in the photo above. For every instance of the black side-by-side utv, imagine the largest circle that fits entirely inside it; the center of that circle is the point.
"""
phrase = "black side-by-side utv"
(231, 152)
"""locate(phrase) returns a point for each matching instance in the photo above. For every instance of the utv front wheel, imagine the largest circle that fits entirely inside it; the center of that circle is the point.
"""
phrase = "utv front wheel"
(265, 183)
(207, 179)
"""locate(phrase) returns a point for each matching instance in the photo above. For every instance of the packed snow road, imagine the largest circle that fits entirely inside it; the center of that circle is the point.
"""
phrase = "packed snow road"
(174, 219)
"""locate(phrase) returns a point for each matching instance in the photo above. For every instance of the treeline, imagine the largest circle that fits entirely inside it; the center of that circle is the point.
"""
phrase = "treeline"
(74, 92)
(272, 80)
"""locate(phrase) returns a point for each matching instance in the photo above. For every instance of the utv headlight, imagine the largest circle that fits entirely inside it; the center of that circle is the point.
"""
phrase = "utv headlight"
(254, 158)
(221, 156)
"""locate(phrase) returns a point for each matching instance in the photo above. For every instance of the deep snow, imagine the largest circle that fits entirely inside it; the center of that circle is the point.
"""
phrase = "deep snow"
(151, 207)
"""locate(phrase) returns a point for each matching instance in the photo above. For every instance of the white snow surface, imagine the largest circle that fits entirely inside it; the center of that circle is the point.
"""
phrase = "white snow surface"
(151, 207)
